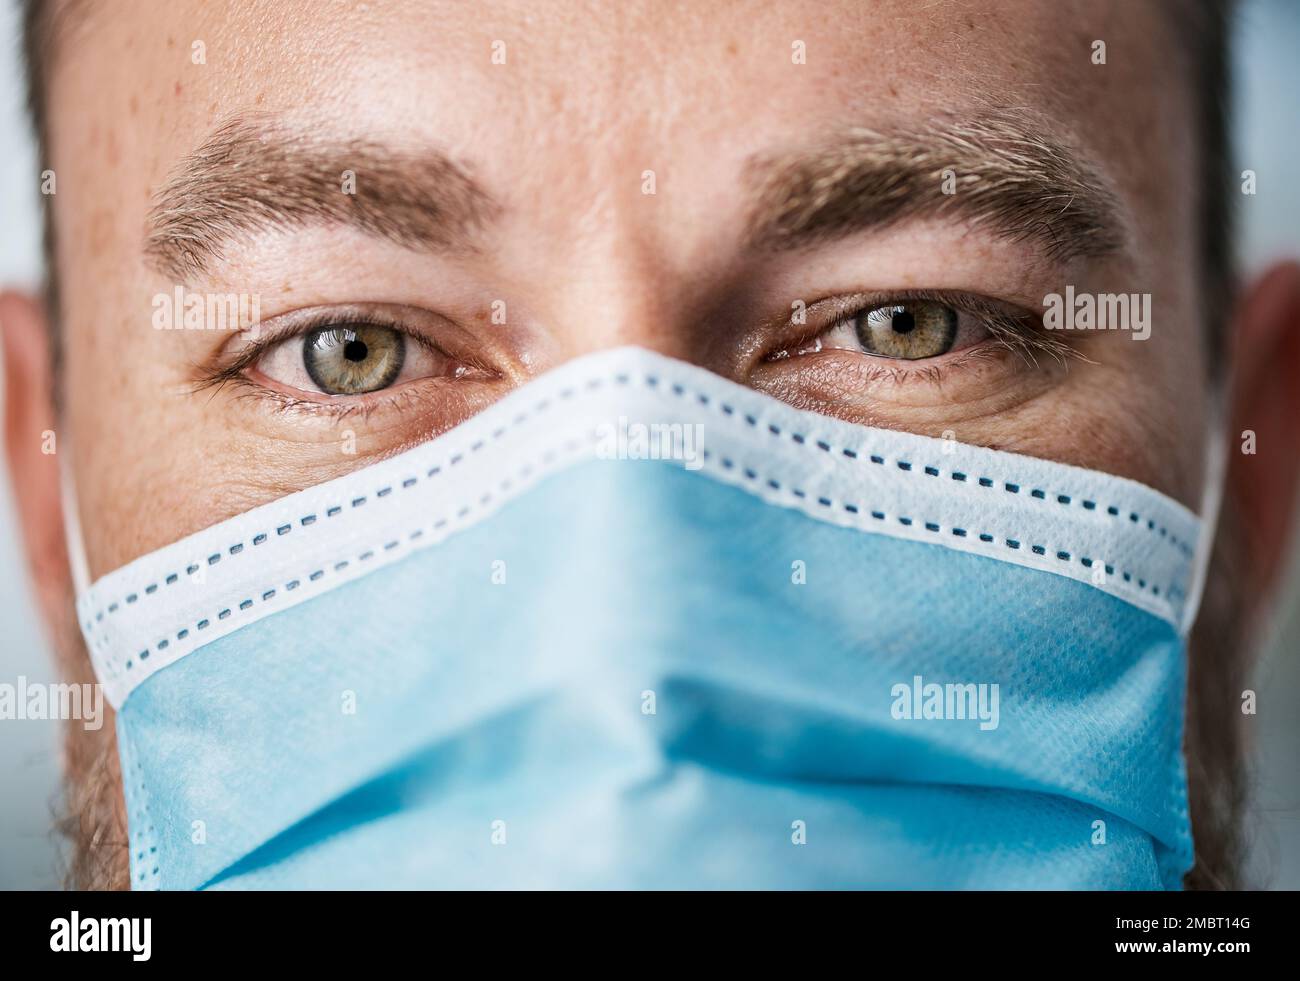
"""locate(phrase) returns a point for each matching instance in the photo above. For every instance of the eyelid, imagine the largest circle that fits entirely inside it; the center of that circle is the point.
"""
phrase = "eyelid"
(286, 327)
(1012, 326)
(853, 305)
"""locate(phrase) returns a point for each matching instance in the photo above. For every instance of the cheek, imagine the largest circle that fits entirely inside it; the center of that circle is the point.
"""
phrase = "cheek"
(134, 436)
(1128, 427)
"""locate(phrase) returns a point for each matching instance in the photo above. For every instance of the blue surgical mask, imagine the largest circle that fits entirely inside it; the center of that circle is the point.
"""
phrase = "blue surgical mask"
(638, 626)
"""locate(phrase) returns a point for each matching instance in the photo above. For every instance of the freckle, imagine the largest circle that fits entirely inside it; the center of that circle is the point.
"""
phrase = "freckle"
(171, 42)
(731, 48)
(893, 92)
(261, 96)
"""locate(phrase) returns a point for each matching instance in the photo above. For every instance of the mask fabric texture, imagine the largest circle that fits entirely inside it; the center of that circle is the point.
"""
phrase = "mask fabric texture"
(636, 626)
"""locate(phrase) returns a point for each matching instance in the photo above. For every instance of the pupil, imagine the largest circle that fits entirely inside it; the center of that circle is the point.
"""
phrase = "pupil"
(903, 322)
(355, 350)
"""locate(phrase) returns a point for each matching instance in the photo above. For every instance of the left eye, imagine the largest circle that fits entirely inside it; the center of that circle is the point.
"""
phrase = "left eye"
(907, 330)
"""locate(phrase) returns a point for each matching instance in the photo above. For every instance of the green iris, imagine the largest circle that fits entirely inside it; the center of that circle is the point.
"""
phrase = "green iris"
(353, 359)
(909, 330)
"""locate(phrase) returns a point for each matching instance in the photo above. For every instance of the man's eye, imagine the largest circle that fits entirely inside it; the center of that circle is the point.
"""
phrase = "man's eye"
(352, 360)
(355, 358)
(905, 330)
(919, 328)
(909, 330)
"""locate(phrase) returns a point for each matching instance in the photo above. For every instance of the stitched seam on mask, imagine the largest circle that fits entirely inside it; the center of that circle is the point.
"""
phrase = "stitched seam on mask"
(307, 521)
(988, 544)
(1034, 493)
(1063, 554)
(651, 381)
(144, 845)
(269, 592)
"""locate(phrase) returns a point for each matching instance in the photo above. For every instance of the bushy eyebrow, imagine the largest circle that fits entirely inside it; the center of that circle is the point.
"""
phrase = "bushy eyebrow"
(1002, 169)
(257, 174)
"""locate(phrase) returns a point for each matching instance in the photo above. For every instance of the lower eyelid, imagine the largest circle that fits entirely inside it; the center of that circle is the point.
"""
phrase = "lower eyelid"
(843, 374)
(401, 398)
(852, 370)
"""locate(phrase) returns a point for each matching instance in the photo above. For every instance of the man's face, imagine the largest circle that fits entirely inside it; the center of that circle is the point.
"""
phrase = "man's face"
(498, 190)
(860, 208)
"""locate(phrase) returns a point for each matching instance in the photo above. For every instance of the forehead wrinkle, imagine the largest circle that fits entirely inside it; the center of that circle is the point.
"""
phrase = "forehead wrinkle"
(256, 174)
(1006, 173)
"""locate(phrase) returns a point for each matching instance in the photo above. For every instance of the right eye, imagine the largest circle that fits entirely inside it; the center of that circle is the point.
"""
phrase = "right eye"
(354, 358)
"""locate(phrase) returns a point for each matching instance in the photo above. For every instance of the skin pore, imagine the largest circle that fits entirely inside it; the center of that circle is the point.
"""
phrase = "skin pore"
(525, 184)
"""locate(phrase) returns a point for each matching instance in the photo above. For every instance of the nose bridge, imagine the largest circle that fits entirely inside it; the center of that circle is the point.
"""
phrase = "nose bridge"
(615, 255)
(608, 272)
(618, 302)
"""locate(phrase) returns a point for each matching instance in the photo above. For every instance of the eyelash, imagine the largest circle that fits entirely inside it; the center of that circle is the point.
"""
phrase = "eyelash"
(339, 408)
(1013, 333)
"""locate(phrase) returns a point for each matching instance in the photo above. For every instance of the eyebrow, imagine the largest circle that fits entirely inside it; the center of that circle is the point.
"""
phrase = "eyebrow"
(258, 175)
(998, 167)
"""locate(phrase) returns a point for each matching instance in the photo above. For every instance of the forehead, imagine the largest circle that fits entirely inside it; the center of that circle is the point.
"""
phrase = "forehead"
(627, 83)
(562, 108)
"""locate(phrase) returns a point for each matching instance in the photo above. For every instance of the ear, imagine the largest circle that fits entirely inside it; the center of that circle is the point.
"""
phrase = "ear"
(31, 448)
(1263, 471)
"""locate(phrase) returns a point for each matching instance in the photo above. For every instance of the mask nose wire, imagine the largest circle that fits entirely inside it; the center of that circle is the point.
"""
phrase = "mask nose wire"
(76, 545)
